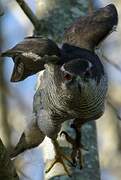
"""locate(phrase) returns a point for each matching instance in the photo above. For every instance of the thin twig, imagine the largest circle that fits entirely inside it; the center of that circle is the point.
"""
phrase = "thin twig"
(90, 6)
(32, 17)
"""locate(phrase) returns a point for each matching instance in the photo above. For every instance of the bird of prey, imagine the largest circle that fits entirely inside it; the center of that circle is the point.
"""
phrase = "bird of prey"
(74, 82)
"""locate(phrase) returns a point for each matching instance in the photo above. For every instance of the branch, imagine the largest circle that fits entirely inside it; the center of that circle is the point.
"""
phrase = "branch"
(4, 91)
(111, 62)
(32, 17)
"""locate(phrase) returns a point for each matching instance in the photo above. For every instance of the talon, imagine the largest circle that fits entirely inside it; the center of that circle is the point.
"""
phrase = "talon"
(76, 154)
(68, 138)
(59, 158)
(81, 160)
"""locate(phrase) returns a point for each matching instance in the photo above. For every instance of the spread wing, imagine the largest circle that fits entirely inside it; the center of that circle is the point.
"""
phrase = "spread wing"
(30, 55)
(88, 31)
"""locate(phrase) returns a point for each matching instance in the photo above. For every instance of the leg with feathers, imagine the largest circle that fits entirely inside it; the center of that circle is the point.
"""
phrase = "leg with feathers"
(76, 154)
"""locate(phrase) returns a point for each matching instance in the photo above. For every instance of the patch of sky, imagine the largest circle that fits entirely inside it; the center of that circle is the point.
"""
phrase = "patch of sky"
(13, 32)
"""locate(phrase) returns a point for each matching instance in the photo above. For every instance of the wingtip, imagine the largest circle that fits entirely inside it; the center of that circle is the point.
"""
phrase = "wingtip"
(2, 54)
(112, 10)
(7, 53)
(112, 6)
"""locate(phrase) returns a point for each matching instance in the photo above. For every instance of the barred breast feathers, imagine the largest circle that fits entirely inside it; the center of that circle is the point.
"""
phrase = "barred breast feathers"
(62, 106)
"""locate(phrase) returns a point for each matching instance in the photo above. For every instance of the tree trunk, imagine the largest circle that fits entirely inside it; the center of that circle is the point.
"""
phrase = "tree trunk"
(4, 127)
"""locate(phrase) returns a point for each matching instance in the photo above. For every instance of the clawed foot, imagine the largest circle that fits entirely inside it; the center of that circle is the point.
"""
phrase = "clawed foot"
(76, 154)
(59, 158)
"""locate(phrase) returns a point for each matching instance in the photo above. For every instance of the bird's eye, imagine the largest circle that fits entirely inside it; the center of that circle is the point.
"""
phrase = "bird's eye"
(67, 77)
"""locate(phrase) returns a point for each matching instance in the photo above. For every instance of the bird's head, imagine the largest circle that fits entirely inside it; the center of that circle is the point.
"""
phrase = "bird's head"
(76, 74)
(83, 69)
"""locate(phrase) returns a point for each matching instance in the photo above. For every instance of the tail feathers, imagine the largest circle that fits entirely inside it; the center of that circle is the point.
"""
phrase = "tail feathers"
(20, 147)
(30, 138)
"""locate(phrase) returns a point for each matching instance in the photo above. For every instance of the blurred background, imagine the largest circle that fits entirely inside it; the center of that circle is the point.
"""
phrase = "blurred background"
(16, 98)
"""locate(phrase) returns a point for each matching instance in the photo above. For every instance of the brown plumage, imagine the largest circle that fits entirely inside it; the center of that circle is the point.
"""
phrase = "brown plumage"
(88, 31)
